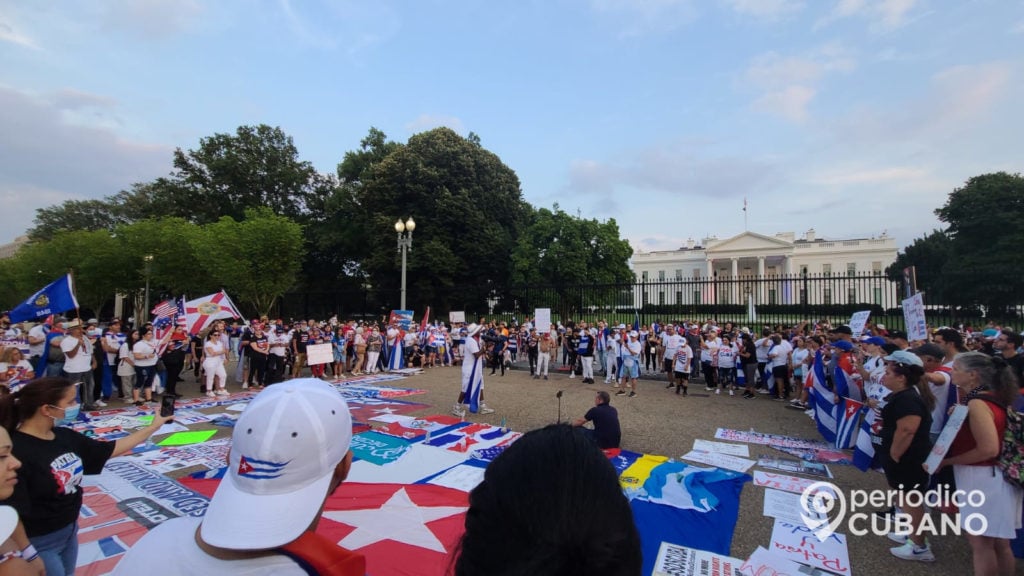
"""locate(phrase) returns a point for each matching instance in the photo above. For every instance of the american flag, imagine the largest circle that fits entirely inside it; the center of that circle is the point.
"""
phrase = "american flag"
(165, 309)
(165, 314)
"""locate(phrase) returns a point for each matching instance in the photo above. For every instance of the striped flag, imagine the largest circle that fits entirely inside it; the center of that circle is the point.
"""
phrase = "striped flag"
(823, 400)
(165, 309)
(864, 450)
(848, 423)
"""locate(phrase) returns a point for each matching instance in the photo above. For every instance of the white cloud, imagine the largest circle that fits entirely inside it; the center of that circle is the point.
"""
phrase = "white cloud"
(10, 32)
(790, 103)
(893, 13)
(884, 15)
(640, 17)
(347, 25)
(426, 122)
(788, 84)
(769, 9)
(150, 19)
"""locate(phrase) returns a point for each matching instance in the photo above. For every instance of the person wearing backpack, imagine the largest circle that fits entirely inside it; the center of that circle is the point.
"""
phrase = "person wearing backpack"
(986, 457)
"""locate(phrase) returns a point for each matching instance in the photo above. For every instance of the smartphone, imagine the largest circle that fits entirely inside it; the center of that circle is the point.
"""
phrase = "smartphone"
(167, 405)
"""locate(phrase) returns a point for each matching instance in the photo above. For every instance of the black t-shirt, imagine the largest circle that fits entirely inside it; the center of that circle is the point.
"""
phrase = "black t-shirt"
(301, 341)
(197, 346)
(606, 425)
(898, 405)
(48, 495)
(262, 344)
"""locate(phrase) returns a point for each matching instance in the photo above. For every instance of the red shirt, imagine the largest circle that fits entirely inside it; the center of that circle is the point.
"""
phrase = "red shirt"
(964, 440)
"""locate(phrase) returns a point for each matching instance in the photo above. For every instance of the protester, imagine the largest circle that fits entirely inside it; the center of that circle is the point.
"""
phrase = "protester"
(988, 387)
(145, 354)
(606, 432)
(585, 352)
(682, 364)
(906, 419)
(13, 366)
(549, 505)
(174, 358)
(630, 369)
(78, 362)
(48, 496)
(670, 344)
(18, 557)
(725, 358)
(126, 367)
(472, 375)
(1007, 344)
(289, 453)
(214, 359)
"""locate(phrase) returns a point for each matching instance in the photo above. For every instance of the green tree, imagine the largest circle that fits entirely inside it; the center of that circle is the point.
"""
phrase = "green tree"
(75, 215)
(984, 225)
(256, 260)
(468, 206)
(928, 255)
(172, 270)
(566, 252)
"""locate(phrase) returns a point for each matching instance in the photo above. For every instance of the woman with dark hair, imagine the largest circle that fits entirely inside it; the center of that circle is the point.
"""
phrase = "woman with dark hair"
(126, 366)
(549, 504)
(906, 419)
(145, 354)
(987, 385)
(48, 496)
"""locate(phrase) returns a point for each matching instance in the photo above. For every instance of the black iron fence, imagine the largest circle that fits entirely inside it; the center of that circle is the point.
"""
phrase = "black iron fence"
(760, 300)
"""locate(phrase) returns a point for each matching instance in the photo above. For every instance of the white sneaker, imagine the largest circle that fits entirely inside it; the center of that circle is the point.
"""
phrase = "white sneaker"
(910, 551)
(718, 391)
(572, 375)
(763, 391)
(101, 403)
(485, 410)
(211, 395)
(708, 388)
(732, 392)
(898, 538)
(245, 386)
(458, 410)
(222, 392)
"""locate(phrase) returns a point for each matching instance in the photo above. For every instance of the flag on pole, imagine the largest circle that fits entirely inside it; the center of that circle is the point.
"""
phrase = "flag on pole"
(823, 400)
(848, 423)
(202, 312)
(636, 319)
(864, 450)
(54, 298)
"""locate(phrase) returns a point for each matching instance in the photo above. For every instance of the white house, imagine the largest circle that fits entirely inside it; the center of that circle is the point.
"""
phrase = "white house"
(775, 269)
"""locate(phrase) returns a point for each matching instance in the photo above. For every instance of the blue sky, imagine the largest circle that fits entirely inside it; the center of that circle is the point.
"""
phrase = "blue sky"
(855, 117)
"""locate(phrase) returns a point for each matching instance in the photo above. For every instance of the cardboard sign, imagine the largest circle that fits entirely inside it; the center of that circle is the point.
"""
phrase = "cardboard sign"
(722, 448)
(719, 460)
(773, 440)
(858, 321)
(785, 482)
(542, 320)
(763, 562)
(794, 465)
(457, 317)
(319, 354)
(674, 560)
(786, 506)
(913, 315)
(945, 439)
(798, 543)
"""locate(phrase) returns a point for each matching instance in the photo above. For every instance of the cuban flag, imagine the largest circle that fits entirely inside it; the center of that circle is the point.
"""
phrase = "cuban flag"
(260, 469)
(848, 423)
(864, 450)
(823, 400)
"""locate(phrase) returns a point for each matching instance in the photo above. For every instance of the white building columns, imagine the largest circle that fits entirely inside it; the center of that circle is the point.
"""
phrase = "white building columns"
(734, 285)
(761, 280)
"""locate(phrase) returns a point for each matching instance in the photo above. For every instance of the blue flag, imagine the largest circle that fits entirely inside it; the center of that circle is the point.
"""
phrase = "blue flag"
(848, 423)
(54, 298)
(864, 450)
(823, 401)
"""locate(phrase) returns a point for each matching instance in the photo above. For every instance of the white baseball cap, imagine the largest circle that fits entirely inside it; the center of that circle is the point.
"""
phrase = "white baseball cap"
(284, 449)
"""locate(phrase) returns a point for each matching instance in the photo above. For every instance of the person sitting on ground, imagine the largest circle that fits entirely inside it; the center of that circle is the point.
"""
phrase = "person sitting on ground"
(606, 433)
(289, 452)
(549, 504)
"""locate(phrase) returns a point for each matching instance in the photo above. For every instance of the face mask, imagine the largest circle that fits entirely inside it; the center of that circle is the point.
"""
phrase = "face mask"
(70, 415)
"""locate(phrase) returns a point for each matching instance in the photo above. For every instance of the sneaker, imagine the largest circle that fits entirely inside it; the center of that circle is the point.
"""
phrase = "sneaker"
(101, 403)
(909, 551)
(458, 410)
(732, 392)
(898, 538)
(684, 391)
(545, 376)
(748, 395)
(620, 393)
(607, 381)
(211, 395)
(571, 375)
(245, 386)
(485, 410)
(718, 392)
(763, 391)
(632, 394)
(670, 386)
(221, 392)
(708, 388)
(535, 377)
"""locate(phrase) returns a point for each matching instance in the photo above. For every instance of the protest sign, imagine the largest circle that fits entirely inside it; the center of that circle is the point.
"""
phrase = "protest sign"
(786, 506)
(794, 465)
(457, 317)
(674, 560)
(764, 562)
(542, 320)
(722, 448)
(773, 440)
(782, 481)
(945, 439)
(913, 315)
(858, 321)
(719, 460)
(319, 354)
(798, 543)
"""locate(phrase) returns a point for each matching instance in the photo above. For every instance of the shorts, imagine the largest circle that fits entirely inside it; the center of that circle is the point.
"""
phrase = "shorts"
(910, 475)
(684, 376)
(1002, 505)
(629, 370)
(667, 365)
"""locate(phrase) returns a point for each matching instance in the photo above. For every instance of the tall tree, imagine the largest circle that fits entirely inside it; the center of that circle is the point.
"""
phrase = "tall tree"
(566, 252)
(74, 215)
(256, 260)
(468, 207)
(172, 269)
(984, 218)
(928, 255)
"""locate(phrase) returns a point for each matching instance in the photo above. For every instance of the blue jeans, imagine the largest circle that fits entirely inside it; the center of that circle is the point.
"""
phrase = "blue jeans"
(58, 550)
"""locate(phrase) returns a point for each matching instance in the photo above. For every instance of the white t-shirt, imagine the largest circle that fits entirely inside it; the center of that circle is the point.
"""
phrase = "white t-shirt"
(113, 342)
(171, 550)
(22, 366)
(779, 355)
(471, 348)
(683, 358)
(82, 361)
(799, 355)
(941, 392)
(672, 344)
(37, 331)
(762, 345)
(148, 350)
(213, 350)
(708, 353)
(727, 356)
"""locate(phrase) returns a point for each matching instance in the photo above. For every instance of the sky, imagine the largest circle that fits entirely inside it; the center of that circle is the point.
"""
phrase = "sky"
(854, 117)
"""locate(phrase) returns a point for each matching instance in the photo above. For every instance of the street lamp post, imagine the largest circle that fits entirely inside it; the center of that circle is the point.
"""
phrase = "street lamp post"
(145, 308)
(404, 245)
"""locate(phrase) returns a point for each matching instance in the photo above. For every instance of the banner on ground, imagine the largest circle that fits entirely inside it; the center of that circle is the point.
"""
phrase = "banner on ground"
(56, 297)
(858, 321)
(676, 560)
(542, 320)
(913, 315)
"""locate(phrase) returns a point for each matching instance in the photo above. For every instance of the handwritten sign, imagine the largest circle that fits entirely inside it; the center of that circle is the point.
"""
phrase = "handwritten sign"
(764, 562)
(674, 560)
(319, 354)
(945, 439)
(798, 543)
(722, 448)
(542, 318)
(858, 321)
(782, 481)
(773, 440)
(719, 460)
(913, 315)
(786, 506)
(456, 317)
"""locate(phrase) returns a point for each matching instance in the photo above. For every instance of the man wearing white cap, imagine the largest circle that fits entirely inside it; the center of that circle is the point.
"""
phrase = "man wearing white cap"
(289, 452)
(472, 375)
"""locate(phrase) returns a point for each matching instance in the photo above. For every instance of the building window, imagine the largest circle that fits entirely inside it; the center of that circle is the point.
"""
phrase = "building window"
(696, 272)
(661, 275)
(827, 297)
(851, 268)
(803, 296)
(696, 296)
(644, 275)
(645, 298)
(826, 270)
(773, 296)
(679, 274)
(876, 268)
(661, 298)
(878, 296)
(851, 295)
(679, 297)
(803, 269)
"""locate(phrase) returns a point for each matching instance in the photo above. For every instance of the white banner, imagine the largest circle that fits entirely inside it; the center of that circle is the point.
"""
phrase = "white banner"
(542, 320)
(457, 317)
(858, 321)
(319, 354)
(913, 314)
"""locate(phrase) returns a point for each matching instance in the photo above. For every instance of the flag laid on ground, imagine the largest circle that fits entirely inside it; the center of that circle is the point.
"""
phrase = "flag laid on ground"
(864, 450)
(201, 312)
(822, 400)
(56, 297)
(848, 423)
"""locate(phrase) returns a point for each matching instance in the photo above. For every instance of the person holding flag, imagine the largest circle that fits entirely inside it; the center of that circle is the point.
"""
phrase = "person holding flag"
(472, 376)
